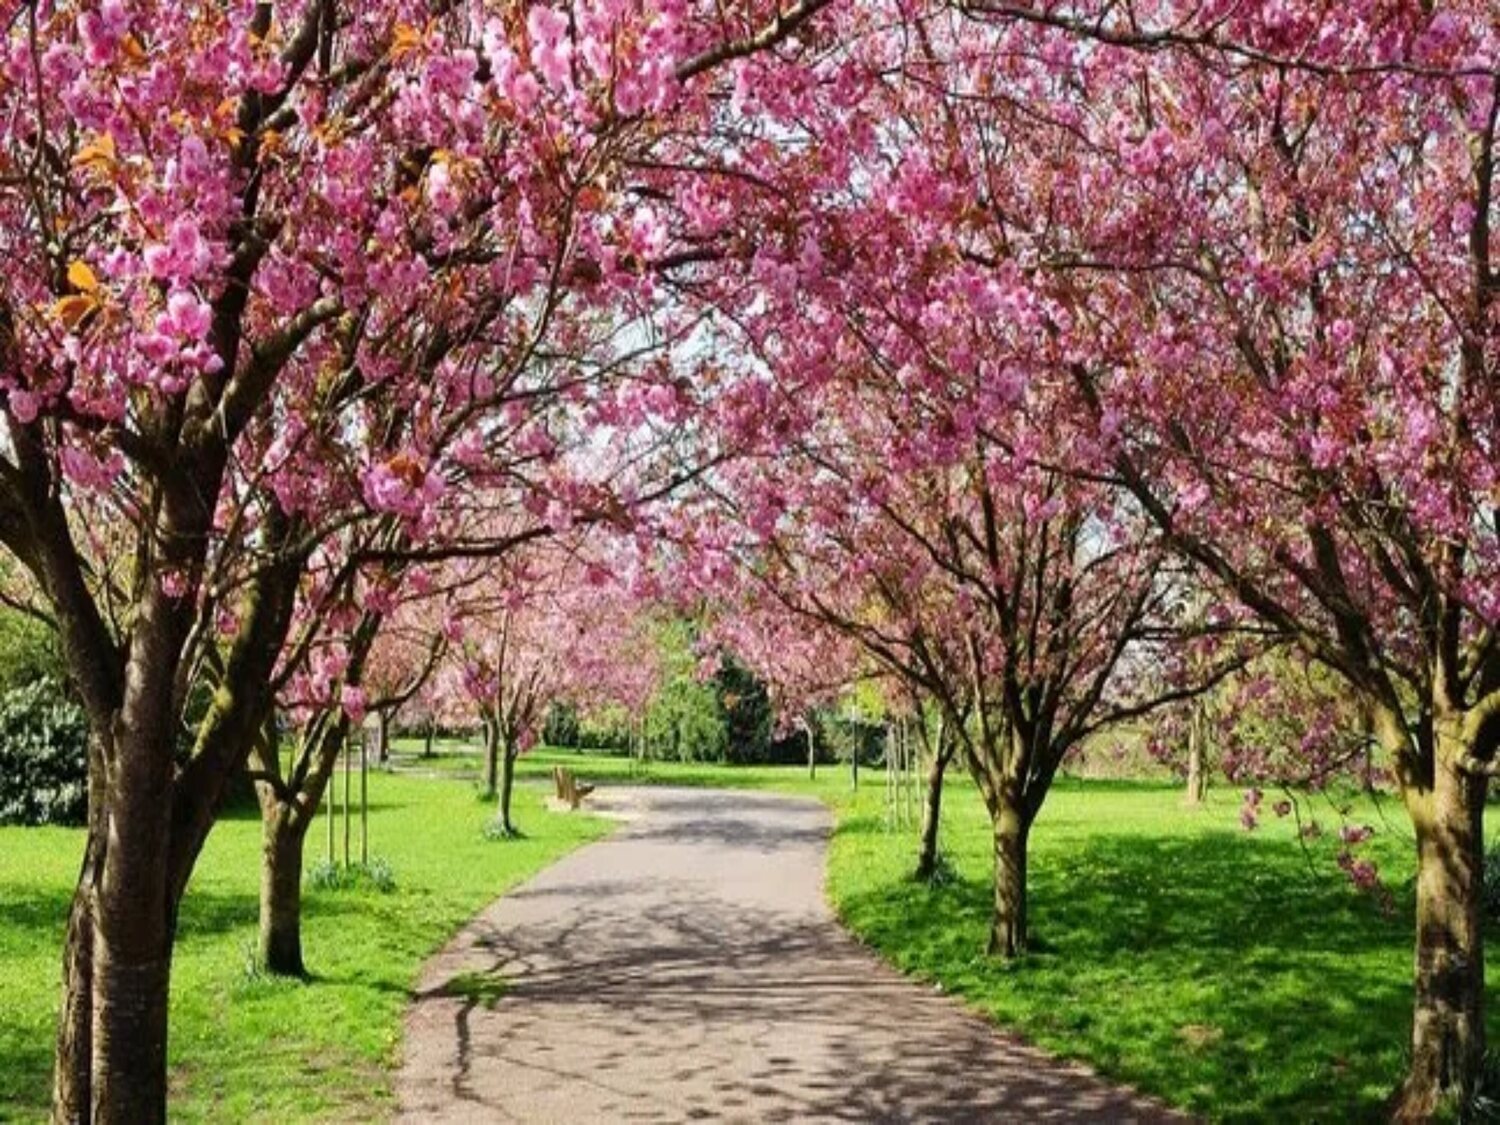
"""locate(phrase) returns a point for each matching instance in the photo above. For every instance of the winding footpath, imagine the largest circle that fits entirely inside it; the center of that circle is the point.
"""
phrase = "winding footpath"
(687, 968)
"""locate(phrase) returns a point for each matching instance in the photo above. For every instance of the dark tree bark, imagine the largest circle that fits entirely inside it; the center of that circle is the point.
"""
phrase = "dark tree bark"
(131, 967)
(932, 808)
(288, 806)
(283, 840)
(136, 896)
(132, 972)
(74, 1051)
(73, 1057)
(507, 787)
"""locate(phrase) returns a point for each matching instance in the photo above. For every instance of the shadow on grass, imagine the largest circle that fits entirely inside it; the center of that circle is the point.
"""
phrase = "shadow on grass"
(39, 917)
(24, 1069)
(1213, 971)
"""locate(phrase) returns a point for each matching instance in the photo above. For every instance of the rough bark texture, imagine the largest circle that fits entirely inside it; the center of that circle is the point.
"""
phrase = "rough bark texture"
(73, 1058)
(282, 842)
(129, 1074)
(70, 1075)
(1448, 1035)
(136, 901)
(1008, 927)
(932, 808)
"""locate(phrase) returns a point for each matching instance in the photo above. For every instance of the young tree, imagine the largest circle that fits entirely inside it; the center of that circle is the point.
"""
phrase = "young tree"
(348, 663)
(556, 625)
(1015, 600)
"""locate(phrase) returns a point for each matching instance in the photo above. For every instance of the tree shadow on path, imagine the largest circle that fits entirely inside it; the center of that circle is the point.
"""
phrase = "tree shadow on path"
(687, 968)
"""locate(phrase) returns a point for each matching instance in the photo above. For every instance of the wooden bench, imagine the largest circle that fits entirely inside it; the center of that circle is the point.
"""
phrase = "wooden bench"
(570, 790)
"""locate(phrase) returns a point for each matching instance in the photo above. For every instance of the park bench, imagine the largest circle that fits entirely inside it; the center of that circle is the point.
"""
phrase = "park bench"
(570, 790)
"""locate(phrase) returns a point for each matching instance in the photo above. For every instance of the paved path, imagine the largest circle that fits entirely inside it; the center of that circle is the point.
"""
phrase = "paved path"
(688, 968)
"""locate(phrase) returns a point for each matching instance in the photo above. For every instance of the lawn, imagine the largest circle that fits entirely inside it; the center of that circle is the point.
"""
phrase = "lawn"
(1226, 971)
(247, 1047)
(1229, 972)
(456, 758)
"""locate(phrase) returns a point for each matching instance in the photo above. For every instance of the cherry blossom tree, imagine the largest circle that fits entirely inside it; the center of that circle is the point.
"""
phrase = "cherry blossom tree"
(1267, 265)
(555, 625)
(1250, 251)
(1014, 598)
(246, 248)
(351, 662)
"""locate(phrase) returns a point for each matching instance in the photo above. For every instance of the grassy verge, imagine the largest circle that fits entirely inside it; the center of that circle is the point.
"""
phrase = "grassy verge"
(1230, 973)
(245, 1046)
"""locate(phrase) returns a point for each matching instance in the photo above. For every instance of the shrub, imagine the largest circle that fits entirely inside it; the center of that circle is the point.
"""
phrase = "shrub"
(43, 756)
(377, 875)
(28, 651)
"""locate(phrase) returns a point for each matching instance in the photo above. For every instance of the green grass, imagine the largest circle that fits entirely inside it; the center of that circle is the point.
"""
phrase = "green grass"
(1227, 972)
(465, 759)
(246, 1046)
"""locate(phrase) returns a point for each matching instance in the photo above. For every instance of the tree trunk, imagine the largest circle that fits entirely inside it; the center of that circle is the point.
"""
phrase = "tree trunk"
(427, 740)
(491, 759)
(507, 784)
(932, 808)
(129, 1075)
(812, 754)
(1448, 1036)
(1008, 927)
(132, 959)
(282, 840)
(73, 1058)
(111, 1061)
(1197, 778)
(383, 733)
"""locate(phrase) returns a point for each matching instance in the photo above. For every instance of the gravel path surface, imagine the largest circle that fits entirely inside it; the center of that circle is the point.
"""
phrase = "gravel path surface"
(687, 968)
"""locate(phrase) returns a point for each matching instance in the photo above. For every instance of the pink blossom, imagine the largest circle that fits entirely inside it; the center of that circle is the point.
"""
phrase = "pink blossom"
(551, 49)
(24, 406)
(354, 703)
